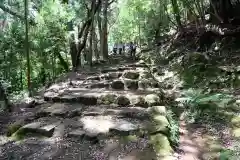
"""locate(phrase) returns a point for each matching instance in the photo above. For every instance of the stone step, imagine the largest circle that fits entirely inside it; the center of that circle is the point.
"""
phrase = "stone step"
(100, 96)
(42, 127)
(106, 126)
(75, 110)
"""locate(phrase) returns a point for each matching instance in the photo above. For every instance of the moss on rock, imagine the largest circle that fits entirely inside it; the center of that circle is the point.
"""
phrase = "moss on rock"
(161, 145)
(13, 128)
(152, 99)
(107, 99)
(157, 110)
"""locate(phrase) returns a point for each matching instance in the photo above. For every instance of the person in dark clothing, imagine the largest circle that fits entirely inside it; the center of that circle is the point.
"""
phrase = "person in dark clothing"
(132, 50)
(120, 48)
(115, 49)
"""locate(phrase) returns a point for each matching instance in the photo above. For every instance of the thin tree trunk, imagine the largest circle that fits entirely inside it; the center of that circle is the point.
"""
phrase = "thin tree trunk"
(100, 31)
(27, 49)
(3, 97)
(90, 53)
(105, 30)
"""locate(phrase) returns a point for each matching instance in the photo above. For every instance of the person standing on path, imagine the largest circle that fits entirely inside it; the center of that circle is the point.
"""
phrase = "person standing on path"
(115, 47)
(133, 50)
(120, 48)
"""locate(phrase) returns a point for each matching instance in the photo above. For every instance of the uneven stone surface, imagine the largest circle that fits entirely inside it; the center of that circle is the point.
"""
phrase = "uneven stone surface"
(98, 115)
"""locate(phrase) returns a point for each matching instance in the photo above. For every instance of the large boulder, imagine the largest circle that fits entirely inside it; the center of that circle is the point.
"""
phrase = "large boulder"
(123, 101)
(131, 74)
(152, 100)
(117, 84)
(131, 84)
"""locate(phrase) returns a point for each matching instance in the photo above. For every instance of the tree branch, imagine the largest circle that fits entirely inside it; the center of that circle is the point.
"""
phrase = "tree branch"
(5, 9)
(9, 11)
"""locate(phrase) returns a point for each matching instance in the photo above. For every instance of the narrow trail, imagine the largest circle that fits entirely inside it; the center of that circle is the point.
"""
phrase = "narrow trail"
(98, 115)
(107, 113)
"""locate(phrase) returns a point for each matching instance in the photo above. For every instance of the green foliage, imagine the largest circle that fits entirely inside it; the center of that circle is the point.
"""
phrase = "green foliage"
(48, 38)
(174, 128)
(199, 102)
(13, 128)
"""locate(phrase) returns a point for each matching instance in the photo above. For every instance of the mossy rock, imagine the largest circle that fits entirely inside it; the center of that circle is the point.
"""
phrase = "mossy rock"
(160, 124)
(161, 145)
(131, 84)
(19, 134)
(138, 101)
(117, 84)
(107, 99)
(236, 132)
(152, 100)
(13, 128)
(157, 110)
(236, 121)
(123, 101)
(131, 75)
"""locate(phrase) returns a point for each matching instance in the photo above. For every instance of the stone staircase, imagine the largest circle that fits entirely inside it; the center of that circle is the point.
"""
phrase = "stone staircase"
(116, 113)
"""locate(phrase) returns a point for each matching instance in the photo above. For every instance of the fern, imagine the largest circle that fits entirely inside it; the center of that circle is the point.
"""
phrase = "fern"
(197, 101)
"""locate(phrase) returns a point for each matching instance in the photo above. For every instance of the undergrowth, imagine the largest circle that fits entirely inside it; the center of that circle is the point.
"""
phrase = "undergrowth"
(198, 103)
(173, 128)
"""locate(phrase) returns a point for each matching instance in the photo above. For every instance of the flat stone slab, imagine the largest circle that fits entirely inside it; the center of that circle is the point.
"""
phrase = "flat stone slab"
(94, 126)
(44, 127)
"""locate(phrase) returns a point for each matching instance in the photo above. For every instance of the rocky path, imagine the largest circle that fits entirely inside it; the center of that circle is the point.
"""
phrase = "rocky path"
(115, 113)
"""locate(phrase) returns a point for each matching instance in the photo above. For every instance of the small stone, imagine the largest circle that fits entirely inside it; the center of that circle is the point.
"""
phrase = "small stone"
(131, 74)
(94, 78)
(152, 99)
(79, 133)
(117, 84)
(114, 75)
(236, 133)
(131, 84)
(236, 121)
(124, 128)
(88, 99)
(123, 101)
(138, 101)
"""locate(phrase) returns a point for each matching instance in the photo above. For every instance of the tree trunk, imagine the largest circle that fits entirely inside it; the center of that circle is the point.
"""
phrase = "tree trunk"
(95, 44)
(27, 48)
(90, 53)
(83, 34)
(3, 97)
(105, 30)
(100, 31)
